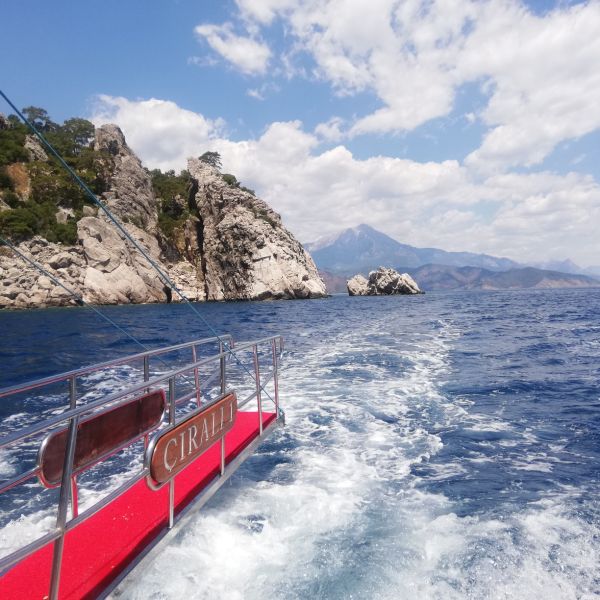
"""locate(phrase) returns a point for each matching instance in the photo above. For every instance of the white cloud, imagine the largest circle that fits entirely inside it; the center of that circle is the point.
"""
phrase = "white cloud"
(546, 81)
(203, 61)
(331, 130)
(247, 54)
(162, 133)
(541, 72)
(531, 217)
(261, 92)
(263, 11)
(255, 93)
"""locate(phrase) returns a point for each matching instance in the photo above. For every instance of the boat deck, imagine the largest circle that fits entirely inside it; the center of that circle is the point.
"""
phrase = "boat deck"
(103, 547)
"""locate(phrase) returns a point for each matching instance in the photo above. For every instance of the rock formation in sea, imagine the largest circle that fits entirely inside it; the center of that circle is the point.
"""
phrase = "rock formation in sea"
(231, 246)
(382, 282)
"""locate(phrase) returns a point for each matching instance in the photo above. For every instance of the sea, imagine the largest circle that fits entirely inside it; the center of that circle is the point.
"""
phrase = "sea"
(440, 446)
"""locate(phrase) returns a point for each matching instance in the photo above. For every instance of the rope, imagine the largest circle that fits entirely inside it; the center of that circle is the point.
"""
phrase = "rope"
(165, 278)
(71, 292)
(78, 298)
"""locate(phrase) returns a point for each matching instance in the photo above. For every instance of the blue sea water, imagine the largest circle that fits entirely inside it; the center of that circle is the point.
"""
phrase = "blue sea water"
(436, 446)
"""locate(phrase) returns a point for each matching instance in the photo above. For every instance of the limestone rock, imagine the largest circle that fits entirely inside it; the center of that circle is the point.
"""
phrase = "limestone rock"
(64, 214)
(115, 272)
(45, 283)
(120, 286)
(246, 253)
(358, 285)
(62, 260)
(383, 282)
(35, 149)
(130, 195)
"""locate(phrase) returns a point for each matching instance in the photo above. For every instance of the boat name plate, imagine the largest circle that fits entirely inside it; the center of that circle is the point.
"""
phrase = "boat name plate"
(172, 451)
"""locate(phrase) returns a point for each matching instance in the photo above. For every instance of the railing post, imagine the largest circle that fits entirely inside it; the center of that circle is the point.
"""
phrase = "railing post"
(258, 389)
(196, 378)
(146, 370)
(74, 497)
(172, 422)
(275, 376)
(74, 492)
(65, 494)
(223, 363)
(147, 390)
(222, 455)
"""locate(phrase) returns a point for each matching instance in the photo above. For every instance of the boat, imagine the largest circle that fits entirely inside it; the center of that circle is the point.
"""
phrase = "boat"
(125, 464)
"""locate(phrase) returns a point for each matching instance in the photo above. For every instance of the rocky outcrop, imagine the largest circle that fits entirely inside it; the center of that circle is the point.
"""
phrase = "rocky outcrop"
(102, 269)
(358, 286)
(231, 247)
(35, 149)
(246, 252)
(23, 286)
(130, 196)
(383, 282)
(115, 273)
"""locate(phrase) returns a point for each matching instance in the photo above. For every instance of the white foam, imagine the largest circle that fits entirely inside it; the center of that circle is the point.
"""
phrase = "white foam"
(8, 463)
(351, 435)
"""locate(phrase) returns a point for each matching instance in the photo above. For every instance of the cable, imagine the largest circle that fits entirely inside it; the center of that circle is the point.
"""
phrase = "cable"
(81, 302)
(75, 295)
(78, 298)
(165, 278)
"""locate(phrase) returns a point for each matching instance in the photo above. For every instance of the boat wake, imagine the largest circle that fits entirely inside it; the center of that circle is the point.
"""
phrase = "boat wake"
(406, 470)
(337, 506)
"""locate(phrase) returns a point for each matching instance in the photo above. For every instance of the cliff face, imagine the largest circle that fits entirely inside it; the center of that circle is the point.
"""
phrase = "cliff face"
(130, 196)
(232, 246)
(246, 252)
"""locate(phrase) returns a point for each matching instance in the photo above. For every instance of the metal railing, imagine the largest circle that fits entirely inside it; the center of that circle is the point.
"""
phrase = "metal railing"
(73, 415)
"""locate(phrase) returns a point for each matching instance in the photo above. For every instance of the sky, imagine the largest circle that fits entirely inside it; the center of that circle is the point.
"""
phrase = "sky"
(465, 125)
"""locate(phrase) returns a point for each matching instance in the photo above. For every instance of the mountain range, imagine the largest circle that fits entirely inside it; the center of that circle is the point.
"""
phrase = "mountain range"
(361, 249)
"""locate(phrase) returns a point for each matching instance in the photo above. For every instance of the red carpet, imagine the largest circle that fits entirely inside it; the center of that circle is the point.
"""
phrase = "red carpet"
(99, 549)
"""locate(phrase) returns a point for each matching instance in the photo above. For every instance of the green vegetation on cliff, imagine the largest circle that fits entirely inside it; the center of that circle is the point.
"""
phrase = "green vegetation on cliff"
(39, 197)
(12, 145)
(34, 188)
(173, 193)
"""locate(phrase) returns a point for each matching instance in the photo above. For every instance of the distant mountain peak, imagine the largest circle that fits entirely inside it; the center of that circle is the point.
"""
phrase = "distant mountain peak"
(363, 248)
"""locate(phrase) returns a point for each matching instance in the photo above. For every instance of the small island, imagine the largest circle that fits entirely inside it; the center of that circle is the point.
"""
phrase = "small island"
(383, 282)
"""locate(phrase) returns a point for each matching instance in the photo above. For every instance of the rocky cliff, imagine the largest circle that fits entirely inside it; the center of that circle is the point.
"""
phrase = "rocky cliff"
(246, 253)
(230, 246)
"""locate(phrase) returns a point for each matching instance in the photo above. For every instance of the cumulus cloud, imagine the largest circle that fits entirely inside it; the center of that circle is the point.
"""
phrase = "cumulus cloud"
(331, 130)
(163, 133)
(545, 81)
(540, 72)
(524, 216)
(249, 55)
(263, 11)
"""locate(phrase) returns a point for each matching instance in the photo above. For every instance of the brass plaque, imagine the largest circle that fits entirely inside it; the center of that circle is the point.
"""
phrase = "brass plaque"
(176, 448)
(100, 435)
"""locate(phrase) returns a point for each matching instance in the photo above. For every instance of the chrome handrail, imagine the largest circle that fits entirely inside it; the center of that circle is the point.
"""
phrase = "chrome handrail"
(19, 388)
(73, 414)
(117, 398)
